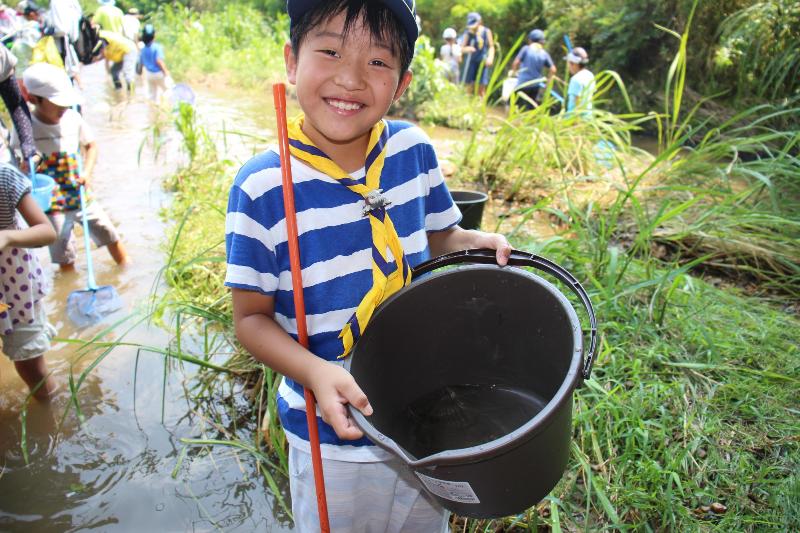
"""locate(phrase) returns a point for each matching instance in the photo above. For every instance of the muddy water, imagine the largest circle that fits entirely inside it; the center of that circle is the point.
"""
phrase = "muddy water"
(114, 471)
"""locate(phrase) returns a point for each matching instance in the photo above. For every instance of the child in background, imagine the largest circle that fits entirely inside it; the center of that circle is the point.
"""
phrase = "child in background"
(121, 53)
(152, 59)
(450, 54)
(24, 330)
(581, 83)
(60, 133)
(349, 62)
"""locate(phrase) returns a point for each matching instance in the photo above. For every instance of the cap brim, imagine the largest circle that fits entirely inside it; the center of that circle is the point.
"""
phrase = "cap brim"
(66, 98)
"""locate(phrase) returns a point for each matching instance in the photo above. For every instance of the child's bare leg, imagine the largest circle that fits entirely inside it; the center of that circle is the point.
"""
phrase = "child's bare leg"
(34, 371)
(119, 253)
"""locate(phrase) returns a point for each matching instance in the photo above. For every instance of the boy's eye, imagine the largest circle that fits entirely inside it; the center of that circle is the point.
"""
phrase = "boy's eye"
(331, 53)
(378, 63)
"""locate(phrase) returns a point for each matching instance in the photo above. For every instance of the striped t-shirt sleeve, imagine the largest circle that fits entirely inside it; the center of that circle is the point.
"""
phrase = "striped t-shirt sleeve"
(251, 227)
(13, 186)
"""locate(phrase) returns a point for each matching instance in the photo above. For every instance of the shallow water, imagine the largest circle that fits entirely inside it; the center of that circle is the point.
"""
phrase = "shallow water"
(114, 471)
(462, 416)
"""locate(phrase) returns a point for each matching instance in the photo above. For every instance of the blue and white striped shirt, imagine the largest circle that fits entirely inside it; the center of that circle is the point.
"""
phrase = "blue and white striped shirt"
(335, 251)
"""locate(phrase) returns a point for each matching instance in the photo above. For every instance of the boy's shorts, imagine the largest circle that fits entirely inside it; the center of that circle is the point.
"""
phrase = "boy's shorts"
(472, 72)
(101, 230)
(362, 497)
(29, 341)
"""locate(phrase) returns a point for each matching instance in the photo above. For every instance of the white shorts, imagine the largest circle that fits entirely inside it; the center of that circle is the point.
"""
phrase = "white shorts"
(381, 497)
(29, 341)
(156, 82)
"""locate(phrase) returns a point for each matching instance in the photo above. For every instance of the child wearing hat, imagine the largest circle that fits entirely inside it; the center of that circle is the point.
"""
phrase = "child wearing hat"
(581, 83)
(154, 65)
(535, 69)
(478, 43)
(60, 134)
(450, 54)
(122, 54)
(348, 60)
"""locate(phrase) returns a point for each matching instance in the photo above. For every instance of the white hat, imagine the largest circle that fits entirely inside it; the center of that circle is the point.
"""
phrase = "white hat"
(449, 33)
(48, 81)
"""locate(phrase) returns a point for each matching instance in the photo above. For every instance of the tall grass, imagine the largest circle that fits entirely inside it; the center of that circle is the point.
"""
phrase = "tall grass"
(234, 40)
(689, 421)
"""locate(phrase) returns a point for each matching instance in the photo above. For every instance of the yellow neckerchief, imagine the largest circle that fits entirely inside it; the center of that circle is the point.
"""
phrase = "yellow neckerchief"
(388, 275)
(478, 37)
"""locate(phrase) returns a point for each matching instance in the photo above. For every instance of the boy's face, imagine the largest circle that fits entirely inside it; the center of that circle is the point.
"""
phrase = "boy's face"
(47, 111)
(573, 67)
(344, 86)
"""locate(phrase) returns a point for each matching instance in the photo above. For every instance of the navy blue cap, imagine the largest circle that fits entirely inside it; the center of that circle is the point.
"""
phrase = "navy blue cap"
(405, 10)
(473, 18)
(536, 36)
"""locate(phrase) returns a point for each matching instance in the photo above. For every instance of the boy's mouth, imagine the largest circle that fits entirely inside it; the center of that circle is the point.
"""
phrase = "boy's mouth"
(343, 106)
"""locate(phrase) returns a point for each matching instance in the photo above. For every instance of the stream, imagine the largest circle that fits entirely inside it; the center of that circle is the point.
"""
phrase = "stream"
(114, 471)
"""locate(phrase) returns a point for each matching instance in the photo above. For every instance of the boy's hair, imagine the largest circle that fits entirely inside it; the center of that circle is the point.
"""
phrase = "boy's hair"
(382, 23)
(148, 34)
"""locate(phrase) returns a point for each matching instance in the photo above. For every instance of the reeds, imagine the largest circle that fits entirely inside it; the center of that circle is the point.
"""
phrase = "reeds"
(689, 420)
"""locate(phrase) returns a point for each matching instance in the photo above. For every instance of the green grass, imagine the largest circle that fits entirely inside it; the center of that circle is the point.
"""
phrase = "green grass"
(689, 422)
(692, 402)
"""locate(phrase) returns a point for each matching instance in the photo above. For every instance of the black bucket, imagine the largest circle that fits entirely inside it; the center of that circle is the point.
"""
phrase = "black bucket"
(470, 203)
(470, 372)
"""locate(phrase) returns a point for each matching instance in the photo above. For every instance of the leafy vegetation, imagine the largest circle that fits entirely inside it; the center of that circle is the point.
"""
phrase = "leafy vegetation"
(690, 254)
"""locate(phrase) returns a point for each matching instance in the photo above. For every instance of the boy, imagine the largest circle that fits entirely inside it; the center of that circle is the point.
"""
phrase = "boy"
(450, 54)
(152, 59)
(60, 133)
(581, 83)
(349, 62)
(478, 43)
(122, 53)
(531, 62)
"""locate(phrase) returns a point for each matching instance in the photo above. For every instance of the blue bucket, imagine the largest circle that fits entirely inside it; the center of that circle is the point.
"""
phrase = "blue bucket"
(42, 190)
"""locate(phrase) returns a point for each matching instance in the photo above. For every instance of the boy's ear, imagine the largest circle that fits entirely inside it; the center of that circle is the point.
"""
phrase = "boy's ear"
(291, 63)
(405, 81)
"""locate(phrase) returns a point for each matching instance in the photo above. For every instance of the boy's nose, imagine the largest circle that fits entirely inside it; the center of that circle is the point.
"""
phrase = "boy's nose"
(351, 76)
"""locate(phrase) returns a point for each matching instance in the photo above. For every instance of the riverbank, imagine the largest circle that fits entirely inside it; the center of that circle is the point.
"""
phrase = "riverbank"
(688, 371)
(683, 424)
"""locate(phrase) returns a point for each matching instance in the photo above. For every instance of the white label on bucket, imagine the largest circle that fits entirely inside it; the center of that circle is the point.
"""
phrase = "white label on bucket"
(457, 491)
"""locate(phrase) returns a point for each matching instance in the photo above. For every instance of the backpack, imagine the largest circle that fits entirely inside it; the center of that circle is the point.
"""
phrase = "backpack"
(86, 46)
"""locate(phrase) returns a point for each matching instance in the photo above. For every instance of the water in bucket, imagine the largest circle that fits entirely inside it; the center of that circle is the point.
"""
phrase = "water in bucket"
(462, 416)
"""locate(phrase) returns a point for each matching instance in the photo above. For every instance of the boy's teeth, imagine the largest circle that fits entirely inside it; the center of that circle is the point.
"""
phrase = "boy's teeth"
(346, 106)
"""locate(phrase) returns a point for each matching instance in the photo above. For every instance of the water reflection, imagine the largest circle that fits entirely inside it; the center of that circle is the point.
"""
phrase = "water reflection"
(114, 472)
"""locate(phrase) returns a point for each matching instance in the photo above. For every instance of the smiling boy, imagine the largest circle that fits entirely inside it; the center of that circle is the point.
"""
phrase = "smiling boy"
(371, 202)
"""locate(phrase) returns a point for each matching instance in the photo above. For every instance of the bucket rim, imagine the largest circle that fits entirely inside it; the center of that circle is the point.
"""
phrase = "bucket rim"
(473, 197)
(519, 436)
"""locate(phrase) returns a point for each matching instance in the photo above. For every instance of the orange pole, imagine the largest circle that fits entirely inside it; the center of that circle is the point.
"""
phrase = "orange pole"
(279, 95)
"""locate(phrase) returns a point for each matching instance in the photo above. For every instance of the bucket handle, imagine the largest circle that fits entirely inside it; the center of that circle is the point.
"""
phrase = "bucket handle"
(520, 258)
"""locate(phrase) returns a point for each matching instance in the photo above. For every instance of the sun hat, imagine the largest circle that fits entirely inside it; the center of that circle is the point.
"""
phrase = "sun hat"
(405, 11)
(48, 81)
(536, 36)
(148, 31)
(106, 2)
(28, 6)
(578, 56)
(449, 33)
(133, 11)
(473, 18)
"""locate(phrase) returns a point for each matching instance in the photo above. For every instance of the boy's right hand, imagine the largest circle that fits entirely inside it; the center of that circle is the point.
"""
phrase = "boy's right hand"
(334, 388)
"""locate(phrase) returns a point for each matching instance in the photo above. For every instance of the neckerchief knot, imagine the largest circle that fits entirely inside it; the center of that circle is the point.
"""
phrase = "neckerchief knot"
(390, 273)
